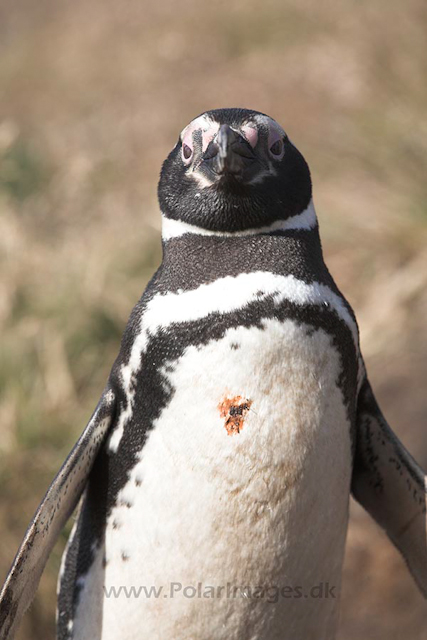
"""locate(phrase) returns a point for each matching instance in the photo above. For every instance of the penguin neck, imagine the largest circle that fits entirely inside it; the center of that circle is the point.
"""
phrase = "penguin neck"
(304, 221)
(191, 259)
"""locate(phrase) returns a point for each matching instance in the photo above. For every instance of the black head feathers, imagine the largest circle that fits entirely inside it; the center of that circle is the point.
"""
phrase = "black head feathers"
(231, 170)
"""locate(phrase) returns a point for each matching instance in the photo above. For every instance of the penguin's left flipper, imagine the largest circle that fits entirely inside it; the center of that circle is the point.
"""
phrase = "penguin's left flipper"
(390, 485)
(57, 505)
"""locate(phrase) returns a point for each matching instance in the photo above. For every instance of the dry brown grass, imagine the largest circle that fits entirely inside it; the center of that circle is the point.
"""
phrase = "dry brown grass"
(92, 97)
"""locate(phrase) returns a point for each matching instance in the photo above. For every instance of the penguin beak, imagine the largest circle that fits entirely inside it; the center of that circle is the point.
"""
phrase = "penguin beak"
(229, 153)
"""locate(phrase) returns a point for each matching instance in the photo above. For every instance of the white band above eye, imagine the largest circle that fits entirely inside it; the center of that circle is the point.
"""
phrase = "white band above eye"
(303, 221)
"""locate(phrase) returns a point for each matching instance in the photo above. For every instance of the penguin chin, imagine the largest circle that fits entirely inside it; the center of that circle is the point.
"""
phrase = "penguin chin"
(232, 206)
(237, 184)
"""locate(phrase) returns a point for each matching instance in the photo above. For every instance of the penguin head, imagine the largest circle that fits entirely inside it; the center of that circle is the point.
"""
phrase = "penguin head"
(232, 170)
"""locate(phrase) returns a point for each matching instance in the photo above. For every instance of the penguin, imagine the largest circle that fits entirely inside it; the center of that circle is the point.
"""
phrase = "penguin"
(213, 479)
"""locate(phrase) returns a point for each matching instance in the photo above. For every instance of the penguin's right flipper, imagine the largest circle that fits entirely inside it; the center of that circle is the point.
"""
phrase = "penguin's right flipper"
(57, 505)
(390, 485)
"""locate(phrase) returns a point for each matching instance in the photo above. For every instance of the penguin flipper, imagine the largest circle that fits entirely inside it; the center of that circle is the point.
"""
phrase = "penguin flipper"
(390, 485)
(56, 507)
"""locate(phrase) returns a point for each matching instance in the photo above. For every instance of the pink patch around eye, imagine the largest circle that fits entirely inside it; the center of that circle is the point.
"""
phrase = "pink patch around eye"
(208, 129)
(188, 139)
(251, 135)
(209, 135)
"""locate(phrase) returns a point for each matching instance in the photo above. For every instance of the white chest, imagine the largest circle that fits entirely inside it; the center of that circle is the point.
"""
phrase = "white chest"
(243, 483)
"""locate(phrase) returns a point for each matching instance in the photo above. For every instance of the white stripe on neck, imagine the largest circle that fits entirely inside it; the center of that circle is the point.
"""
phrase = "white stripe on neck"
(303, 221)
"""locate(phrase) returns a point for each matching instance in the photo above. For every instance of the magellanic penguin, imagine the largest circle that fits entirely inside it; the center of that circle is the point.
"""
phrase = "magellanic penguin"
(216, 471)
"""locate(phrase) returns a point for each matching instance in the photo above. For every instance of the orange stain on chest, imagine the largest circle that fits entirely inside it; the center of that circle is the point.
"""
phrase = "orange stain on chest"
(234, 411)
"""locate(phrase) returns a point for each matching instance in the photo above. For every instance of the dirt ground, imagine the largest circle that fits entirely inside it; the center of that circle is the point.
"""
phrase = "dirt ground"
(93, 95)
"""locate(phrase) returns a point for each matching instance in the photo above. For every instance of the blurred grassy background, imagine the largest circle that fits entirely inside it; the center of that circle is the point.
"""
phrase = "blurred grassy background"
(92, 97)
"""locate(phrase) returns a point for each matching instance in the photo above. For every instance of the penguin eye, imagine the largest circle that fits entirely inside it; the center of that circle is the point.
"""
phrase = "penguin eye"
(187, 152)
(276, 148)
